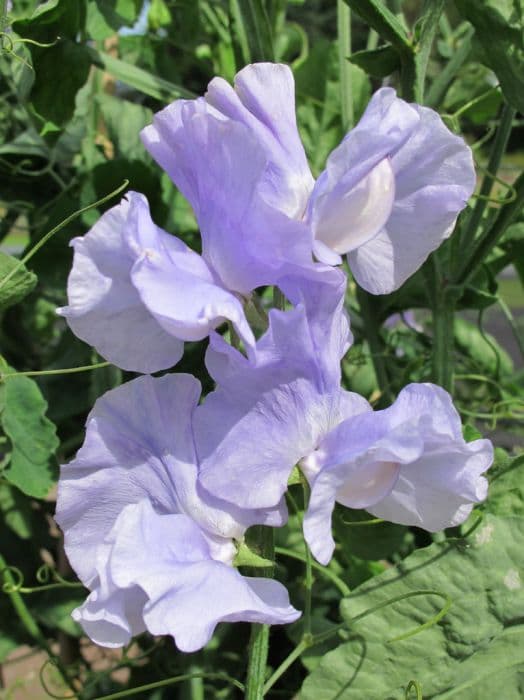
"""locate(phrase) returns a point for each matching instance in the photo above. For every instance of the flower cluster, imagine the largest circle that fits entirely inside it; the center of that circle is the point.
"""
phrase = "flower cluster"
(157, 501)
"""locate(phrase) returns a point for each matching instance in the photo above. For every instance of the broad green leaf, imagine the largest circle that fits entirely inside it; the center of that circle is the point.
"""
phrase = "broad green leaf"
(18, 285)
(32, 467)
(471, 653)
(499, 26)
(68, 63)
(506, 489)
(379, 62)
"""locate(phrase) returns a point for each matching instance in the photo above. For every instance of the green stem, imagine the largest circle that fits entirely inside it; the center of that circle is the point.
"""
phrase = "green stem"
(57, 228)
(497, 151)
(309, 570)
(48, 372)
(442, 307)
(344, 51)
(29, 623)
(443, 80)
(259, 539)
(171, 681)
(505, 217)
(376, 345)
(295, 654)
(339, 583)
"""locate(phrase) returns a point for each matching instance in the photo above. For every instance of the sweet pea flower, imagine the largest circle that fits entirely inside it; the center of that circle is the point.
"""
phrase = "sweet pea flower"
(390, 193)
(136, 293)
(285, 407)
(408, 464)
(155, 553)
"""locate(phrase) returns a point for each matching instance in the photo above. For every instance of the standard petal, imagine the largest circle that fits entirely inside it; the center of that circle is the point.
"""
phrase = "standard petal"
(140, 437)
(218, 163)
(271, 410)
(434, 178)
(263, 98)
(352, 198)
(104, 307)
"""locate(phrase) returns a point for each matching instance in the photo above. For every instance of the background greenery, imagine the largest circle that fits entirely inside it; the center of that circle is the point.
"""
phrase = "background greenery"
(78, 80)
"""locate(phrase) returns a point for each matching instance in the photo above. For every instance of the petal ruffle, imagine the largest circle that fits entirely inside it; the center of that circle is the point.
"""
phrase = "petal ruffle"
(169, 559)
(140, 438)
(105, 309)
(263, 98)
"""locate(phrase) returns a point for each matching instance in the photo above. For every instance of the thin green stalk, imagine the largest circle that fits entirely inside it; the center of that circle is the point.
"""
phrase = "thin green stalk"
(505, 217)
(171, 681)
(57, 228)
(511, 320)
(47, 372)
(261, 540)
(308, 582)
(344, 51)
(29, 623)
(442, 307)
(443, 80)
(3, 15)
(498, 149)
(288, 661)
(376, 345)
(339, 583)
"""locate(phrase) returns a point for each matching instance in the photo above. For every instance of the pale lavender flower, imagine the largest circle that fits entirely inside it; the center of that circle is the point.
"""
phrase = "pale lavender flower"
(390, 193)
(136, 293)
(155, 553)
(408, 464)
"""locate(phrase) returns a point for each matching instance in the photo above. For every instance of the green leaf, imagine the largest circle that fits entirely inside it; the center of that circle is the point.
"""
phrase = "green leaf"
(124, 121)
(251, 30)
(54, 608)
(106, 17)
(16, 511)
(18, 285)
(54, 100)
(473, 652)
(379, 62)
(384, 22)
(138, 78)
(499, 26)
(32, 467)
(371, 541)
(506, 490)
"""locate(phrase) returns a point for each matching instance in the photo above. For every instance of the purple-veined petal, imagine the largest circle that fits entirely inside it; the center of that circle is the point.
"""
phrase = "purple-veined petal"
(105, 309)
